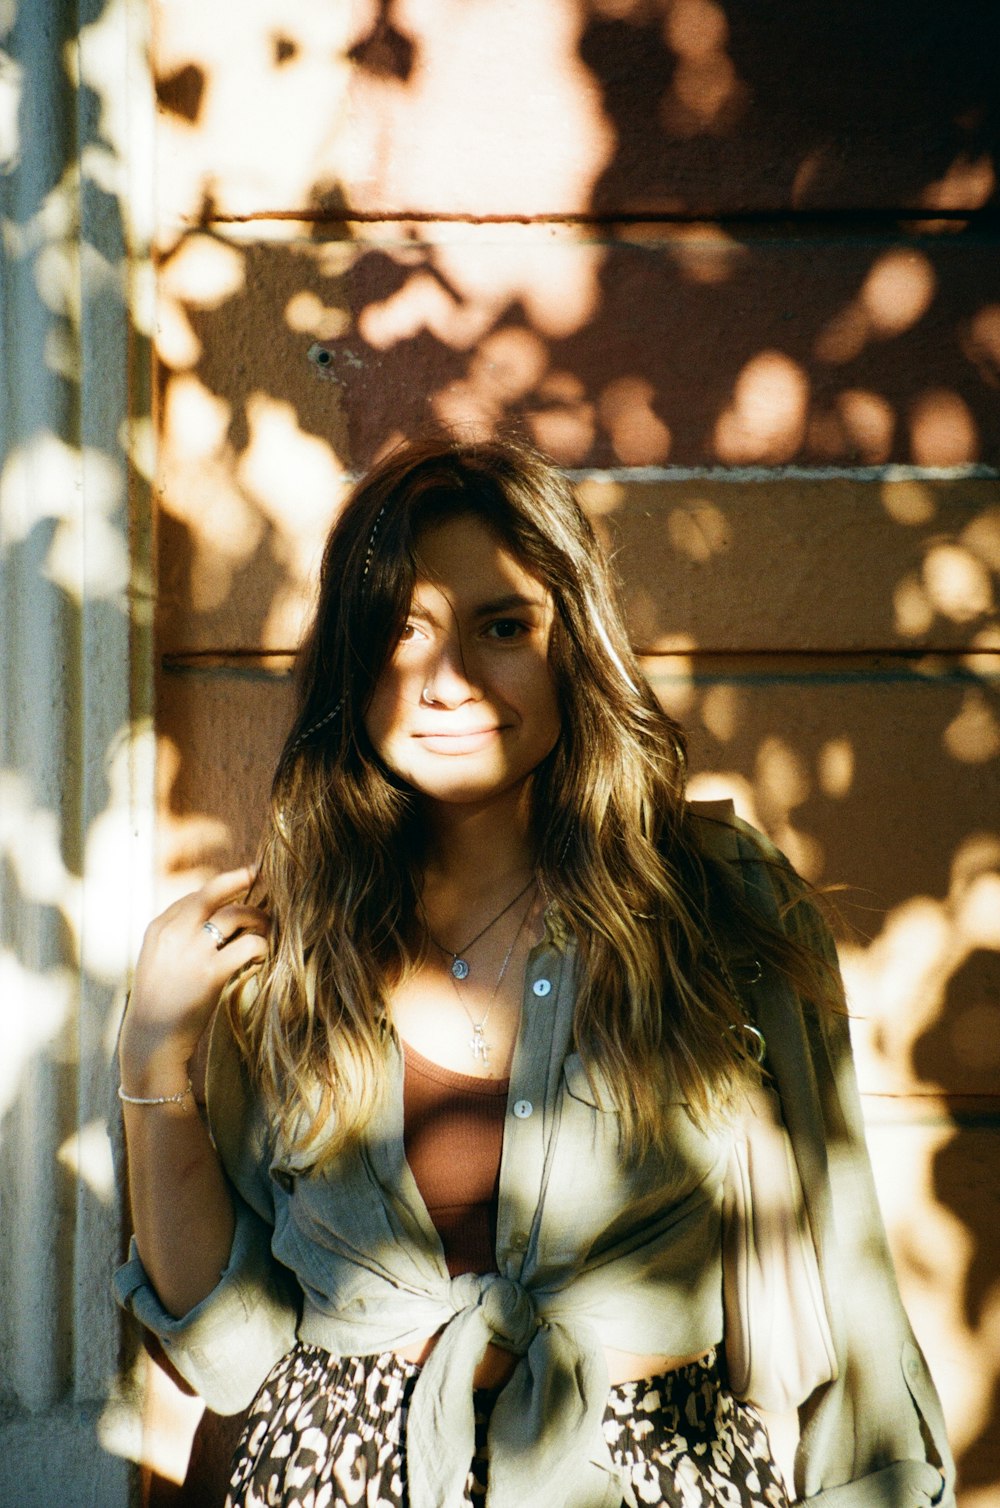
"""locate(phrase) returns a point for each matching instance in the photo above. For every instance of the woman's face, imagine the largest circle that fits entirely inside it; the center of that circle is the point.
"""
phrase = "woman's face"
(466, 707)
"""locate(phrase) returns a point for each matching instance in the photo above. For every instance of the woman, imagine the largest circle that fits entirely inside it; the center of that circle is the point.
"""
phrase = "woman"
(471, 1089)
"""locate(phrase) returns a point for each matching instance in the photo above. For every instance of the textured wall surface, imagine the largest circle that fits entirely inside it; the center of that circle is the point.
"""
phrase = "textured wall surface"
(76, 788)
(736, 268)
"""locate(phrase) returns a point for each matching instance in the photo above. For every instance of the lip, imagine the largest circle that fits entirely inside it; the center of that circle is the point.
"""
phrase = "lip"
(458, 743)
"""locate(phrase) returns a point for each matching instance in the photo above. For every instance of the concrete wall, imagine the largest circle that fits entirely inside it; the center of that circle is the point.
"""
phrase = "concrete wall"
(76, 763)
(736, 268)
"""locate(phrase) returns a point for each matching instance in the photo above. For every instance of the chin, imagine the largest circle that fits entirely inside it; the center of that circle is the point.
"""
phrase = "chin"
(462, 787)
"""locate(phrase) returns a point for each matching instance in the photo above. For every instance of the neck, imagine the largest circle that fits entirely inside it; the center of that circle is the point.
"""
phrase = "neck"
(480, 846)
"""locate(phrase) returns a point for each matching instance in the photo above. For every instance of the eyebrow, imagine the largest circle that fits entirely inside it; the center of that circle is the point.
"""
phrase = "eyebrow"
(509, 603)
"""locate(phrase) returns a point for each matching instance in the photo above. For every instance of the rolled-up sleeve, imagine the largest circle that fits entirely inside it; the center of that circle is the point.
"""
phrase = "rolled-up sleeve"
(226, 1345)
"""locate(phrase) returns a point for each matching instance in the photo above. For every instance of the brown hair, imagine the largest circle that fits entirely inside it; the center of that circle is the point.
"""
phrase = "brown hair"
(339, 868)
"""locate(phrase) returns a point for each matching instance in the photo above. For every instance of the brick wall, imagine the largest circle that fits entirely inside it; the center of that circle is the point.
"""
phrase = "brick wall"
(735, 267)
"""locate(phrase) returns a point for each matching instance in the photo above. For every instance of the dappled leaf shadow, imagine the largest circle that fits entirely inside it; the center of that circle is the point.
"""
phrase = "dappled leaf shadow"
(836, 308)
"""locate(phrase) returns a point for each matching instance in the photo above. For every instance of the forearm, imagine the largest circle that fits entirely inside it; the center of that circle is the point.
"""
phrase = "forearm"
(182, 1212)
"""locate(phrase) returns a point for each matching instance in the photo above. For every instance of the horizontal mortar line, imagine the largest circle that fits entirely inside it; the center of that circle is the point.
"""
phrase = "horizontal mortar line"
(891, 218)
(182, 659)
(973, 471)
(907, 652)
(969, 1097)
(890, 471)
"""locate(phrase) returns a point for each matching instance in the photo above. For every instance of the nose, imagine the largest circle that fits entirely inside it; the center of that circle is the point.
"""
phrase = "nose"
(449, 680)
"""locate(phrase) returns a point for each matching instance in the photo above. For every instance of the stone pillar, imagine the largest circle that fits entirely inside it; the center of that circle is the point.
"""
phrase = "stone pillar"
(75, 765)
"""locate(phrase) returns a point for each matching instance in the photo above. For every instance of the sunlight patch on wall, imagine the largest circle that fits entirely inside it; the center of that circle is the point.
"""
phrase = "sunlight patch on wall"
(973, 737)
(37, 1007)
(931, 954)
(306, 314)
(404, 149)
(228, 151)
(699, 531)
(969, 183)
(957, 583)
(896, 984)
(782, 782)
(187, 843)
(670, 669)
(563, 420)
(722, 711)
(706, 94)
(726, 785)
(898, 291)
(982, 537)
(942, 429)
(41, 482)
(639, 436)
(895, 295)
(459, 288)
(297, 481)
(199, 491)
(505, 367)
(869, 422)
(203, 271)
(11, 81)
(87, 1156)
(705, 254)
(30, 844)
(765, 420)
(910, 502)
(982, 342)
(984, 656)
(835, 768)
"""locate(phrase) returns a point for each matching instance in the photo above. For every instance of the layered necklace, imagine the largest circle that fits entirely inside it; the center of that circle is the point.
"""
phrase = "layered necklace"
(460, 970)
(459, 963)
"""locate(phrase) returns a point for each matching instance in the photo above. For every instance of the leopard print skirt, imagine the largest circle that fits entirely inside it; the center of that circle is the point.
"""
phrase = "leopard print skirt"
(329, 1432)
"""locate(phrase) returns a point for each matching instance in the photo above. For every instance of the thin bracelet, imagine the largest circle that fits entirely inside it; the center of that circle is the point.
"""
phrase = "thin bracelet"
(159, 1099)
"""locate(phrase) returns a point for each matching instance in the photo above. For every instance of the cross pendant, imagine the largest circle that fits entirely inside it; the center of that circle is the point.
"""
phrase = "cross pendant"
(479, 1046)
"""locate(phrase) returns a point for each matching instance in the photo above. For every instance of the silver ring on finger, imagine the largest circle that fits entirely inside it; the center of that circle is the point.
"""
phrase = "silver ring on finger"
(216, 932)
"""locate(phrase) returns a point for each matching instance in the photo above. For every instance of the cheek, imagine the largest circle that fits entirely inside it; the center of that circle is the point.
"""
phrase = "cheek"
(384, 712)
(547, 712)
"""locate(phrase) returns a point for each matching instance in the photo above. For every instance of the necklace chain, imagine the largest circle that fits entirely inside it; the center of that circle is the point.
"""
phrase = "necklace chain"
(460, 964)
(478, 1045)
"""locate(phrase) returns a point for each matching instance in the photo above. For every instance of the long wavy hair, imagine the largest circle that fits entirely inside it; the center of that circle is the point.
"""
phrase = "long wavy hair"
(340, 864)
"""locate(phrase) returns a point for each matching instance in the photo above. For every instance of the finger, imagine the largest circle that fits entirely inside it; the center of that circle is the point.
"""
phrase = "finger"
(222, 888)
(215, 932)
(247, 948)
(241, 918)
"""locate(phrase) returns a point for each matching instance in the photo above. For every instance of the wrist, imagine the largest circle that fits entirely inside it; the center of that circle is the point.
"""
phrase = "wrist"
(151, 1065)
(179, 1097)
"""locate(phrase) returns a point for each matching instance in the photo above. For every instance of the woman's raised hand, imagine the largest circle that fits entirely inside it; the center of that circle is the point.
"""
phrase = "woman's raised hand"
(187, 955)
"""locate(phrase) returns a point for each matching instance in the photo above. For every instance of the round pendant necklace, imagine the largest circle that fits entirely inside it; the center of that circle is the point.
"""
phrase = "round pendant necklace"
(460, 964)
(478, 1045)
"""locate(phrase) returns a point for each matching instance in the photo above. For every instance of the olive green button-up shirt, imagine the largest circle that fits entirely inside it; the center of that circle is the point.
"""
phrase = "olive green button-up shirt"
(592, 1251)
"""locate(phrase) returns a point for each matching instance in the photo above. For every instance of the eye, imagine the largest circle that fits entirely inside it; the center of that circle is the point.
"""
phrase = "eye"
(408, 633)
(506, 629)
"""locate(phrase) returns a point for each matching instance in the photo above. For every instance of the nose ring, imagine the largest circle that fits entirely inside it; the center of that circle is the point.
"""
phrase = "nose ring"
(425, 699)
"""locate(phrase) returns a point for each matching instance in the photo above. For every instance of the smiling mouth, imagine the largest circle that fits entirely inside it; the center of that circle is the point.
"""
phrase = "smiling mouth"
(458, 743)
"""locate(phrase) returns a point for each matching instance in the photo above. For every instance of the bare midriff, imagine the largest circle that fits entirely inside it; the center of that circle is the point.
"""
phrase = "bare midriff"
(497, 1364)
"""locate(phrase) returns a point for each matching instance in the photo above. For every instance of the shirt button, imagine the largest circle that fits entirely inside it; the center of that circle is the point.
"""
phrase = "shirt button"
(542, 986)
(519, 1241)
(522, 1109)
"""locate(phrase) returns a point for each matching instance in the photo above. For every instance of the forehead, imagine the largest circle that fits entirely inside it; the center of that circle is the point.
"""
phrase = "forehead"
(465, 560)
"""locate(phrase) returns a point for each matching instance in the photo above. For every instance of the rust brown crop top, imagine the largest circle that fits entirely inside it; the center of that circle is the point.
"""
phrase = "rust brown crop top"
(453, 1137)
